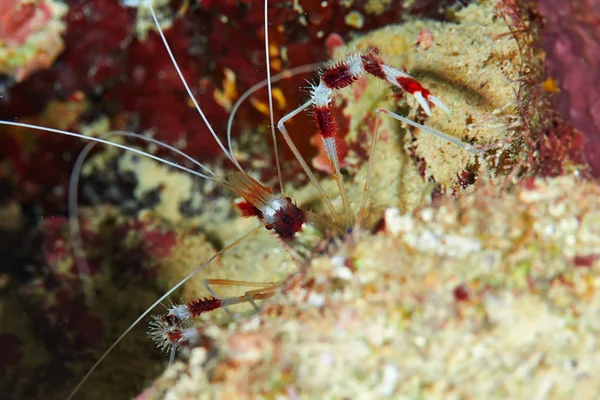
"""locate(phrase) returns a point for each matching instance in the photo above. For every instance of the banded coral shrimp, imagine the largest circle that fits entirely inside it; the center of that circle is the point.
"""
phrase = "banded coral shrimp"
(371, 85)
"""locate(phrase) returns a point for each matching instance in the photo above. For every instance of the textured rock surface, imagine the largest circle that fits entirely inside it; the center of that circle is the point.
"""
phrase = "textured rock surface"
(493, 296)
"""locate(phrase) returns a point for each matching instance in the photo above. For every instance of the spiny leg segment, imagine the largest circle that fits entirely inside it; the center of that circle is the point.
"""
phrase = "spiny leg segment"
(173, 328)
(338, 76)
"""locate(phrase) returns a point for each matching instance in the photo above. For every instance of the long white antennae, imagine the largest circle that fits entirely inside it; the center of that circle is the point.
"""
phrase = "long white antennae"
(187, 88)
(157, 302)
(83, 268)
(268, 66)
(121, 146)
(214, 177)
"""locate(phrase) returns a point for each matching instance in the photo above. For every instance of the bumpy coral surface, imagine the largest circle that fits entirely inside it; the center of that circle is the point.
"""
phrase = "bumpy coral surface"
(474, 67)
(494, 296)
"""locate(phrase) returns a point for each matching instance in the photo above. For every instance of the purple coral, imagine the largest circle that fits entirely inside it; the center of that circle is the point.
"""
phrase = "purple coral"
(571, 39)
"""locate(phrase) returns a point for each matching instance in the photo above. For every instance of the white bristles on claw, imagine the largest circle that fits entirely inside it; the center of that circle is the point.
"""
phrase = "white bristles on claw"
(166, 336)
(355, 65)
(392, 74)
(321, 95)
(158, 332)
(181, 312)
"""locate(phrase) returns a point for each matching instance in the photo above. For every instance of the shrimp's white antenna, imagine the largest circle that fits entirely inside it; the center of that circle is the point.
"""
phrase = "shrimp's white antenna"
(187, 87)
(268, 65)
(120, 146)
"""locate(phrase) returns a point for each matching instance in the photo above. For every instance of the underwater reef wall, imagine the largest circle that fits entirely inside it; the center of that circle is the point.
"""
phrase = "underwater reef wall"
(488, 293)
(468, 256)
